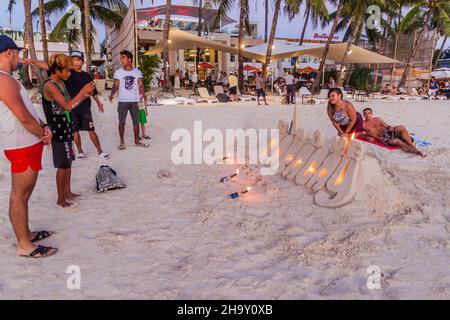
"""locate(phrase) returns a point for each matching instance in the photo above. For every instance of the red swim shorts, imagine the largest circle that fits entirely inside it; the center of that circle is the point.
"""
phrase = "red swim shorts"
(23, 158)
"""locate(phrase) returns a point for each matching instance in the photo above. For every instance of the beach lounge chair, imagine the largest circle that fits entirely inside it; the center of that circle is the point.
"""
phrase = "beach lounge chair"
(218, 89)
(205, 96)
(245, 97)
(309, 98)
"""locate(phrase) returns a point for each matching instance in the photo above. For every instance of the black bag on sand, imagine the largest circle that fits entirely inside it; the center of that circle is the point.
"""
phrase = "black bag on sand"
(107, 179)
(222, 97)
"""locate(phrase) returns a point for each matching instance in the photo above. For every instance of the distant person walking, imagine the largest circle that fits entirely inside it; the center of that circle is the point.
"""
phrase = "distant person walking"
(233, 83)
(260, 92)
(290, 87)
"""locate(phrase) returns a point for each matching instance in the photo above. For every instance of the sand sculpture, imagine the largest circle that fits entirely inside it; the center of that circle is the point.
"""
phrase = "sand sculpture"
(331, 173)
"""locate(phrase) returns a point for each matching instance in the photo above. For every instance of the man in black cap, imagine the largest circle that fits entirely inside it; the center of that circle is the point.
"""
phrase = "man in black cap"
(22, 136)
(81, 115)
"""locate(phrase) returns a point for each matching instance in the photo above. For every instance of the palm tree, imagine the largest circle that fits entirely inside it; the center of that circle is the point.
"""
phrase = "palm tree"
(42, 22)
(11, 5)
(440, 51)
(201, 5)
(107, 12)
(316, 8)
(316, 85)
(87, 30)
(424, 11)
(266, 19)
(166, 66)
(355, 12)
(244, 26)
(29, 39)
(276, 13)
(443, 28)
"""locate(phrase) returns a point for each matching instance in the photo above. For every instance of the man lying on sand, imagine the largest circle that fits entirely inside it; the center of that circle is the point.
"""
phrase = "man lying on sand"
(376, 128)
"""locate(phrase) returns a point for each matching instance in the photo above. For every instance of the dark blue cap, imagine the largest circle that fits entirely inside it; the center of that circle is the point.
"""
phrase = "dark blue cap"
(7, 43)
(77, 54)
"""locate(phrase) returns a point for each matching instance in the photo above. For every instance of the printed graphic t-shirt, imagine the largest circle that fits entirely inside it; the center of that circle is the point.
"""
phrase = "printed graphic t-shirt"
(128, 87)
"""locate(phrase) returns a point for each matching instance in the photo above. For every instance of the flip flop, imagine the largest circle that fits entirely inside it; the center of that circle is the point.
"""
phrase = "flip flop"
(41, 235)
(142, 145)
(121, 146)
(104, 155)
(147, 137)
(81, 155)
(41, 252)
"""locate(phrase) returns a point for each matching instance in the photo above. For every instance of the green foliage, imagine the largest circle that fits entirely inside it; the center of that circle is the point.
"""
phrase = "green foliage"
(148, 64)
(331, 74)
(359, 79)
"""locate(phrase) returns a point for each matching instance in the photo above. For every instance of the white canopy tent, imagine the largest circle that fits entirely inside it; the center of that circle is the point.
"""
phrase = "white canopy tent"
(283, 50)
(184, 40)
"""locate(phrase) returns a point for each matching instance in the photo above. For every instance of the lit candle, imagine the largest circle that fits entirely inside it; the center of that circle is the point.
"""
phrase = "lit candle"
(226, 178)
(236, 194)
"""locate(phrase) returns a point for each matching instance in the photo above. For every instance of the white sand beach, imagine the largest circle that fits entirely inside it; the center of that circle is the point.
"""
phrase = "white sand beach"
(181, 238)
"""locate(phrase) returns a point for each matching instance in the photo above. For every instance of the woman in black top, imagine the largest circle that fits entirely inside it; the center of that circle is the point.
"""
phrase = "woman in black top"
(57, 106)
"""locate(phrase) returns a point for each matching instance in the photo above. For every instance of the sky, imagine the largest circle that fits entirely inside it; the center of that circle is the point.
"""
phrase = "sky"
(285, 28)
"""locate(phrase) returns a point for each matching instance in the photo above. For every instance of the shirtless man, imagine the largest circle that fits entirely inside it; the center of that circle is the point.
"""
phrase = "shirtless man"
(376, 128)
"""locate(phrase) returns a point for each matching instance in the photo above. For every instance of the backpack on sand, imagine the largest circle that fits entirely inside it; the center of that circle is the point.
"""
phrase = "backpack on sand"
(107, 179)
(222, 97)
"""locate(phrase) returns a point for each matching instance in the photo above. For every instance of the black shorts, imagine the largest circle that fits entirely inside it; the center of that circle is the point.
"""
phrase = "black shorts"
(260, 93)
(232, 90)
(122, 110)
(63, 154)
(82, 121)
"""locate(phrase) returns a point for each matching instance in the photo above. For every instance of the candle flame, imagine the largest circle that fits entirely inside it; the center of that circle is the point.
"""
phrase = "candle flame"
(323, 172)
(353, 135)
(237, 171)
(249, 188)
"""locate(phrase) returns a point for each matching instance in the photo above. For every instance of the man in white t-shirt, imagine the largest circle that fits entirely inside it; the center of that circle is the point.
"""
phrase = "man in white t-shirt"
(22, 136)
(128, 81)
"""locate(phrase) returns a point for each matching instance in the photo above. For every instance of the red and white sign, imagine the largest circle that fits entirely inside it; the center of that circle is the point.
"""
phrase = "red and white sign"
(323, 36)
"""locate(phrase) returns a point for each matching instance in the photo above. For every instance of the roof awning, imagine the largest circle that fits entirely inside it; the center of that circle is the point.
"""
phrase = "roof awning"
(281, 50)
(184, 40)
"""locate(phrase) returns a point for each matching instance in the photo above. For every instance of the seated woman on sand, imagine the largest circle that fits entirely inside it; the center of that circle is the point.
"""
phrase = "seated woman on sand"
(342, 114)
(376, 128)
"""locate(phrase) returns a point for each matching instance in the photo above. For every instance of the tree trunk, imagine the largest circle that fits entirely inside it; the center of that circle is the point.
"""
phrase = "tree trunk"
(347, 49)
(414, 50)
(440, 51)
(308, 11)
(29, 39)
(316, 85)
(42, 22)
(199, 33)
(87, 34)
(242, 16)
(166, 65)
(271, 38)
(266, 20)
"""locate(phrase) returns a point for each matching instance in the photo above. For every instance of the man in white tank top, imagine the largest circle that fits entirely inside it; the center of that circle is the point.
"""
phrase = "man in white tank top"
(22, 136)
